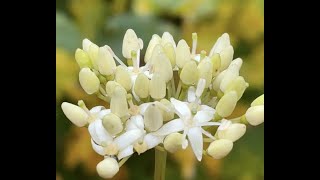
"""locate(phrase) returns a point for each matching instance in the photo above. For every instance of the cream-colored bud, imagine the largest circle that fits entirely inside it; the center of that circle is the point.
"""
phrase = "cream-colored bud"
(258, 101)
(130, 43)
(183, 54)
(167, 38)
(105, 61)
(88, 81)
(226, 57)
(170, 53)
(93, 54)
(86, 44)
(112, 124)
(189, 74)
(239, 85)
(227, 104)
(156, 39)
(216, 63)
(118, 104)
(153, 119)
(167, 115)
(122, 77)
(161, 64)
(231, 73)
(157, 87)
(108, 167)
(233, 132)
(217, 81)
(141, 86)
(82, 59)
(205, 71)
(110, 86)
(220, 148)
(75, 114)
(173, 142)
(255, 115)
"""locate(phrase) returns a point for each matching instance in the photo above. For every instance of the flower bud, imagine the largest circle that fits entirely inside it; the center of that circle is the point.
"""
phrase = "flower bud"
(222, 43)
(153, 119)
(130, 43)
(161, 64)
(226, 57)
(227, 104)
(157, 87)
(255, 115)
(122, 77)
(173, 142)
(258, 101)
(183, 54)
(93, 54)
(231, 73)
(217, 81)
(170, 53)
(108, 167)
(167, 38)
(153, 42)
(141, 86)
(82, 59)
(220, 148)
(86, 44)
(205, 71)
(233, 132)
(167, 115)
(88, 81)
(189, 74)
(105, 61)
(118, 104)
(112, 124)
(216, 63)
(75, 114)
(239, 85)
(110, 86)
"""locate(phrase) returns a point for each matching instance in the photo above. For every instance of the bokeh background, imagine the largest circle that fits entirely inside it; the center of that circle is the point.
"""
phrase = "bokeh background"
(105, 22)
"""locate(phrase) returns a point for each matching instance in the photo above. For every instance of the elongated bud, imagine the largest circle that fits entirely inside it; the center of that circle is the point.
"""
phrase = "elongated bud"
(105, 62)
(216, 63)
(161, 64)
(110, 86)
(167, 38)
(88, 81)
(205, 71)
(255, 115)
(157, 87)
(222, 43)
(239, 85)
(141, 86)
(156, 39)
(231, 73)
(226, 57)
(93, 54)
(86, 44)
(183, 54)
(173, 142)
(83, 59)
(112, 124)
(108, 167)
(75, 114)
(233, 132)
(189, 73)
(258, 101)
(118, 104)
(217, 81)
(167, 115)
(220, 148)
(130, 43)
(227, 104)
(170, 53)
(153, 119)
(122, 77)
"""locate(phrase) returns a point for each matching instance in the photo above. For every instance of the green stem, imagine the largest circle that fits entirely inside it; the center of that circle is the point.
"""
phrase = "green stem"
(160, 164)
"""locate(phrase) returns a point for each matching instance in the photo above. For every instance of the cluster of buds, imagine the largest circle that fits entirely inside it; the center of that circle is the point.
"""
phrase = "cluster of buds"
(171, 101)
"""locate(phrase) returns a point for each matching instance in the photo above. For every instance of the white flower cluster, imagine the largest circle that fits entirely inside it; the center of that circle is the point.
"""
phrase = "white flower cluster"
(169, 103)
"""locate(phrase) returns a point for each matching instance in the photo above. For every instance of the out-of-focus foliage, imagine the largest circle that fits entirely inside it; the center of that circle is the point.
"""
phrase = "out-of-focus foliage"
(105, 22)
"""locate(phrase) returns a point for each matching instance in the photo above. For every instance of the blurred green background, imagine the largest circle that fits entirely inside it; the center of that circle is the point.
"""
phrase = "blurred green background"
(105, 22)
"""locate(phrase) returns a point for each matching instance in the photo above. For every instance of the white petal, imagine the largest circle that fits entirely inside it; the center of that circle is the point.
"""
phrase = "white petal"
(224, 124)
(137, 121)
(98, 149)
(92, 132)
(103, 135)
(208, 108)
(203, 116)
(181, 108)
(207, 134)
(196, 141)
(175, 125)
(125, 152)
(191, 94)
(152, 141)
(128, 138)
(143, 107)
(103, 113)
(96, 109)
